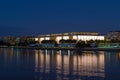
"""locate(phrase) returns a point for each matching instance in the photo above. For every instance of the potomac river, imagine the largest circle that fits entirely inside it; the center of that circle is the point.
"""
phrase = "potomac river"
(36, 64)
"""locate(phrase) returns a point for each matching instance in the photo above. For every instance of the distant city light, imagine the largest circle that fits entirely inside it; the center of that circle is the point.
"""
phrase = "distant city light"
(65, 37)
(47, 38)
(36, 39)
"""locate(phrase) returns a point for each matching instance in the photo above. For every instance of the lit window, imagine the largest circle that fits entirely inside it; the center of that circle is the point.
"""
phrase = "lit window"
(58, 38)
(65, 37)
(41, 39)
(47, 38)
(101, 37)
(80, 37)
(36, 39)
(75, 37)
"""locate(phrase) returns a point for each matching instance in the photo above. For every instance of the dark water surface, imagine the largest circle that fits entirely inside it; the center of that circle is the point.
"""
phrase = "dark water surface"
(31, 64)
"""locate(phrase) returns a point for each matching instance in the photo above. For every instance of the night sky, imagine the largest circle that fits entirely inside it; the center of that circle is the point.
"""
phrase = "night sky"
(32, 17)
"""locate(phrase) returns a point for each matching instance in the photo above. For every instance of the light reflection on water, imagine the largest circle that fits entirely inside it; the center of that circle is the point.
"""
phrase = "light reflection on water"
(31, 64)
(67, 66)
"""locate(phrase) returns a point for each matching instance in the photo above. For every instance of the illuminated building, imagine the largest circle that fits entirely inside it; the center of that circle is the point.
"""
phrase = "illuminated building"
(84, 36)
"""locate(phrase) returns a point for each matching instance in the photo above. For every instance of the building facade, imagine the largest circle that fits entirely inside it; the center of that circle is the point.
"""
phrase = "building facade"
(84, 36)
(113, 35)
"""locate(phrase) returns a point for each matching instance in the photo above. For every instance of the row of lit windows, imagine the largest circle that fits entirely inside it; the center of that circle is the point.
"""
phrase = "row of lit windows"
(84, 38)
(75, 37)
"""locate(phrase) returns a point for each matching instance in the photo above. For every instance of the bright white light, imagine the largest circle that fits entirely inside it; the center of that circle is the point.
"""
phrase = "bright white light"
(41, 39)
(84, 38)
(75, 37)
(65, 37)
(36, 39)
(47, 38)
(100, 38)
(58, 38)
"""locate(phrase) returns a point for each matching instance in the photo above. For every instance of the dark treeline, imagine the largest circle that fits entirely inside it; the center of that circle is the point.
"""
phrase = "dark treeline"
(78, 44)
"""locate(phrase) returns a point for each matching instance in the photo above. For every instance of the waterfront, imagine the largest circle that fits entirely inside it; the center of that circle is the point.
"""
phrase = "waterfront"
(32, 64)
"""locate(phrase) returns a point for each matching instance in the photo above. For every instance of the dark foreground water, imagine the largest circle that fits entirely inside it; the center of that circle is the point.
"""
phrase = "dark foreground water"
(31, 64)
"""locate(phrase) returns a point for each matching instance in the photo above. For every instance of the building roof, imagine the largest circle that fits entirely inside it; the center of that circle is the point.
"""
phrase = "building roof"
(72, 33)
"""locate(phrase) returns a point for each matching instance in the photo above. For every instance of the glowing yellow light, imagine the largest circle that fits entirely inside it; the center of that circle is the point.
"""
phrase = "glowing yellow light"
(47, 38)
(58, 38)
(65, 37)
(36, 39)
(41, 39)
(84, 38)
(75, 37)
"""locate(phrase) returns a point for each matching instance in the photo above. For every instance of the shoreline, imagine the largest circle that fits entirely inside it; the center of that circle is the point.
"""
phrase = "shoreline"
(59, 48)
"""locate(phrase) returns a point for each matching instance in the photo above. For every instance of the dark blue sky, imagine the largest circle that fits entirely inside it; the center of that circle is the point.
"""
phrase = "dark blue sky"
(31, 17)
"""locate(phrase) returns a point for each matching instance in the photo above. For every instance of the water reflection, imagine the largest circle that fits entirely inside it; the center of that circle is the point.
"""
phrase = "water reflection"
(31, 64)
(67, 66)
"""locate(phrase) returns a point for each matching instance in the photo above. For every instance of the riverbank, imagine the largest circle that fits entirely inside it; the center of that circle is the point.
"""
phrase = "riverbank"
(60, 48)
